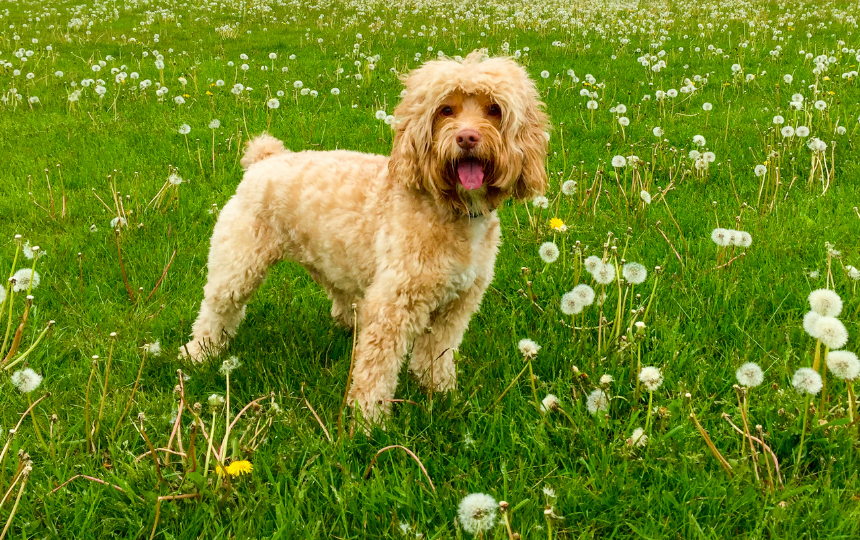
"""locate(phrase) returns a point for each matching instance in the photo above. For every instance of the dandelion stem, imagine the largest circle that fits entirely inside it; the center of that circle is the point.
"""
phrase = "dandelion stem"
(823, 383)
(209, 444)
(803, 432)
(38, 430)
(104, 387)
(852, 401)
(130, 398)
(532, 383)
(14, 507)
(648, 417)
(508, 388)
(26, 353)
(87, 426)
(351, 366)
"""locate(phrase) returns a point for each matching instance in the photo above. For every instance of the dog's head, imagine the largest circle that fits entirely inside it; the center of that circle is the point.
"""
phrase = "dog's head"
(471, 133)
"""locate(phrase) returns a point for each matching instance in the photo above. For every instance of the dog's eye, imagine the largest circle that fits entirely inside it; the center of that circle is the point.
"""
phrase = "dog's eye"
(494, 110)
(447, 111)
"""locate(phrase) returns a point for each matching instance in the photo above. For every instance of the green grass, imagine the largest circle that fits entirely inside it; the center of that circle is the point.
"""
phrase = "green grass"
(704, 321)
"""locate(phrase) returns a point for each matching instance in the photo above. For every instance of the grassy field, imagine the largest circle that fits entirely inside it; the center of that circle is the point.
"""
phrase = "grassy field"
(88, 153)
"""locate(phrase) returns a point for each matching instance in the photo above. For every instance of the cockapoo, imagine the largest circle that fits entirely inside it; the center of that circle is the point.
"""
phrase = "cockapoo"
(410, 239)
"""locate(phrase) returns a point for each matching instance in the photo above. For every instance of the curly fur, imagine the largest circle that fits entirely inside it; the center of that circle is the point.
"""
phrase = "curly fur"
(399, 238)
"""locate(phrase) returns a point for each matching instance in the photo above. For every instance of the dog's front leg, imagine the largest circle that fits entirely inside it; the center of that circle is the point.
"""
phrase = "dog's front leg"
(390, 322)
(433, 354)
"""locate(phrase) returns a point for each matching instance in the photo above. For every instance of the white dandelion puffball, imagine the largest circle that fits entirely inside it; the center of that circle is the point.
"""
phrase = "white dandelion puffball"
(809, 322)
(184, 129)
(544, 74)
(657, 131)
(806, 381)
(215, 401)
(606, 379)
(273, 103)
(570, 304)
(634, 273)
(153, 348)
(549, 403)
(335, 91)
(298, 84)
(698, 140)
(843, 364)
(584, 294)
(825, 302)
(645, 196)
(229, 365)
(528, 348)
(597, 402)
(720, 236)
(760, 170)
(619, 161)
(477, 513)
(778, 119)
(592, 105)
(749, 375)
(569, 187)
(707, 106)
(744, 239)
(592, 263)
(26, 380)
(802, 131)
(820, 104)
(624, 121)
(831, 332)
(540, 202)
(605, 274)
(639, 438)
(215, 124)
(548, 252)
(651, 378)
(787, 132)
(22, 279)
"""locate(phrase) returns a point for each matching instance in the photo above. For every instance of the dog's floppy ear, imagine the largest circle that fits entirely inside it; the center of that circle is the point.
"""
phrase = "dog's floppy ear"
(532, 140)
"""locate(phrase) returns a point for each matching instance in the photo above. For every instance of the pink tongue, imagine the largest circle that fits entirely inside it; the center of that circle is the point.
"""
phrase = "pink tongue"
(471, 174)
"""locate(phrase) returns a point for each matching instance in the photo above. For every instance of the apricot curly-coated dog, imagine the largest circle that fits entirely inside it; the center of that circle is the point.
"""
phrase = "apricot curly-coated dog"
(410, 239)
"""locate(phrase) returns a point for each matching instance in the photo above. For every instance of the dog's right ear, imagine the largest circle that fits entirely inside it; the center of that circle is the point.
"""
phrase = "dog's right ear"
(410, 163)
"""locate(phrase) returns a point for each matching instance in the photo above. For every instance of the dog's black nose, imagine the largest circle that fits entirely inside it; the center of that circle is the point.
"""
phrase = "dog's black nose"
(468, 139)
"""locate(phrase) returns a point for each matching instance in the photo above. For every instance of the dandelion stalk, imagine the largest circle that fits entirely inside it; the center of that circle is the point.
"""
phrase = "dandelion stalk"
(38, 430)
(105, 386)
(209, 448)
(130, 398)
(803, 431)
(87, 426)
(25, 477)
(823, 383)
(26, 353)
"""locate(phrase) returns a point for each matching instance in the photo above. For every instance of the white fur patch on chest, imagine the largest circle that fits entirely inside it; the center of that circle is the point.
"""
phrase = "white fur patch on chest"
(480, 255)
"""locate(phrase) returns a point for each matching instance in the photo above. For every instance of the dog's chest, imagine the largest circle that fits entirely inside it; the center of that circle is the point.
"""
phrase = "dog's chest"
(476, 258)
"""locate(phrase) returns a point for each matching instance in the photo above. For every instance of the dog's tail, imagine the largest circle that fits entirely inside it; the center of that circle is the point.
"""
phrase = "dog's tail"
(261, 147)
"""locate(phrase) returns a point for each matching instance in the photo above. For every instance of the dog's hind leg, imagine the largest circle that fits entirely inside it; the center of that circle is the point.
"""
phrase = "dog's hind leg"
(432, 360)
(243, 247)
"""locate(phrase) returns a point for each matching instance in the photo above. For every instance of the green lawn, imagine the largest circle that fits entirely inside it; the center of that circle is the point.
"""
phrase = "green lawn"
(71, 167)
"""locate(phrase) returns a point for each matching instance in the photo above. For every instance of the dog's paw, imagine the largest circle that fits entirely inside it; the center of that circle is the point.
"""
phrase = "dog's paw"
(195, 352)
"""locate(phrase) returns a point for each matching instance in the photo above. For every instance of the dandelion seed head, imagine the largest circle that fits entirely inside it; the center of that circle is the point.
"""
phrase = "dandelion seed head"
(477, 513)
(528, 348)
(23, 277)
(229, 365)
(548, 252)
(638, 438)
(153, 348)
(843, 364)
(806, 381)
(605, 274)
(569, 187)
(540, 202)
(26, 380)
(592, 263)
(634, 273)
(825, 302)
(597, 401)
(549, 403)
(809, 322)
(584, 294)
(749, 375)
(651, 378)
(645, 196)
(831, 332)
(619, 161)
(570, 304)
(720, 236)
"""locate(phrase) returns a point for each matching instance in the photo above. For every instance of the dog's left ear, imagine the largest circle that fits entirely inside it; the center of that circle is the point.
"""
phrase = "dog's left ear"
(532, 140)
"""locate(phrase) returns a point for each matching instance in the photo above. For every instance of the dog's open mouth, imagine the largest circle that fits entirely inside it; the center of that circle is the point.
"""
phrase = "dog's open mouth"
(470, 171)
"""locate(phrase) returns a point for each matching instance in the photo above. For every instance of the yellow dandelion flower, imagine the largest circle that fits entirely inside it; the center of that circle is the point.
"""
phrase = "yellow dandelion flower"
(208, 93)
(237, 468)
(556, 224)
